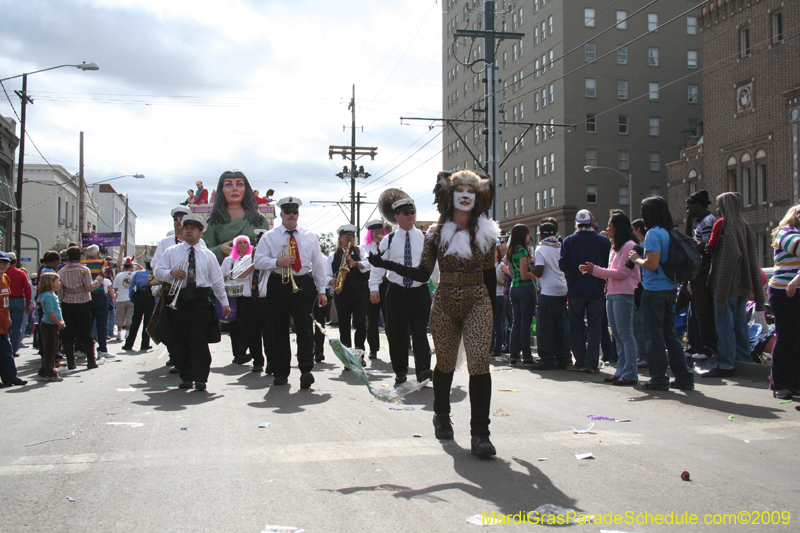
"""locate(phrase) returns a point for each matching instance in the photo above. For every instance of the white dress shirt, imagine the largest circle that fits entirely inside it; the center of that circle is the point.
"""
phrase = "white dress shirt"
(269, 251)
(169, 240)
(397, 254)
(207, 271)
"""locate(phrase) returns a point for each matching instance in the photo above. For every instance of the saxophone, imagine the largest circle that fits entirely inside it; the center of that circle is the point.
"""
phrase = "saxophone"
(343, 270)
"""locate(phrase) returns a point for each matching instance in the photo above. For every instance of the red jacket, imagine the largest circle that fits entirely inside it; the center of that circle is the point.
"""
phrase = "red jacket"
(5, 317)
(19, 285)
(201, 197)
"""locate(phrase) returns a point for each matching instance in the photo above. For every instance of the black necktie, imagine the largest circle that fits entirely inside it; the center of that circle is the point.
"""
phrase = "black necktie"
(191, 282)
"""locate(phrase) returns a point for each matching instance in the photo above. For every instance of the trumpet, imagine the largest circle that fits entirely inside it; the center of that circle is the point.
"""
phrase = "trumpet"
(177, 285)
(343, 269)
(287, 274)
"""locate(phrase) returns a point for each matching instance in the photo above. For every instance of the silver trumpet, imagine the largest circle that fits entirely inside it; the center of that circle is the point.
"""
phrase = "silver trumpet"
(177, 285)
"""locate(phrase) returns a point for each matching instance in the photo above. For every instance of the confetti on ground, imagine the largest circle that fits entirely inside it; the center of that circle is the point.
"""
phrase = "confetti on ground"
(51, 440)
(730, 418)
(129, 424)
(580, 456)
(610, 418)
(129, 389)
(542, 459)
(500, 412)
(184, 429)
(786, 401)
(261, 425)
(408, 408)
(70, 499)
(507, 390)
(417, 435)
(583, 431)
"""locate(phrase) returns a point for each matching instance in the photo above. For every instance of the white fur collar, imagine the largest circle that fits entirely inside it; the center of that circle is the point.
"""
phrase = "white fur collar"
(457, 242)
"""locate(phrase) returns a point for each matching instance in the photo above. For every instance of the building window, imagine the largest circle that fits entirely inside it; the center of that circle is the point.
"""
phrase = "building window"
(622, 125)
(520, 16)
(552, 196)
(514, 22)
(505, 209)
(652, 54)
(516, 176)
(544, 199)
(591, 158)
(622, 89)
(514, 52)
(591, 88)
(538, 200)
(550, 25)
(589, 51)
(691, 25)
(536, 101)
(777, 27)
(761, 183)
(655, 191)
(544, 63)
(522, 205)
(536, 134)
(505, 179)
(747, 186)
(591, 124)
(622, 55)
(537, 171)
(591, 194)
(694, 94)
(766, 251)
(505, 89)
(654, 91)
(552, 162)
(652, 21)
(588, 17)
(744, 42)
(505, 59)
(655, 161)
(655, 126)
(514, 84)
(550, 53)
(551, 93)
(544, 165)
(522, 173)
(521, 111)
(536, 69)
(544, 98)
(622, 20)
(624, 198)
(535, 36)
(691, 58)
(623, 159)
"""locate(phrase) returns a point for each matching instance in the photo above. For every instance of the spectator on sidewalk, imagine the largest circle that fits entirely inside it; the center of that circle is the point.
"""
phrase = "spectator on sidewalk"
(76, 305)
(19, 305)
(551, 318)
(638, 313)
(8, 369)
(99, 306)
(585, 293)
(121, 286)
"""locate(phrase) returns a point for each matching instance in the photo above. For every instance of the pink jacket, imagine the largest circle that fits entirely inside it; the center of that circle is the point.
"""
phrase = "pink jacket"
(621, 279)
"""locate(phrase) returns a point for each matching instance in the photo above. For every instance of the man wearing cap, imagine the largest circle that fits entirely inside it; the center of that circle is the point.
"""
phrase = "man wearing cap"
(586, 294)
(190, 320)
(8, 369)
(140, 293)
(702, 330)
(351, 301)
(303, 261)
(375, 234)
(19, 302)
(408, 302)
(551, 332)
(121, 286)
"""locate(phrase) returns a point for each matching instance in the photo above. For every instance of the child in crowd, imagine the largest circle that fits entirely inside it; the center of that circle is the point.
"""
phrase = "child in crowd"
(52, 321)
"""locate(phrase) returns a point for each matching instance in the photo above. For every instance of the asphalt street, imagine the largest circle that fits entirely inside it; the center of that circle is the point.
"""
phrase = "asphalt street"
(146, 456)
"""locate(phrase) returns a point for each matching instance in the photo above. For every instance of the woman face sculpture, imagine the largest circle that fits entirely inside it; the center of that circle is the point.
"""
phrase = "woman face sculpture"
(233, 189)
(464, 198)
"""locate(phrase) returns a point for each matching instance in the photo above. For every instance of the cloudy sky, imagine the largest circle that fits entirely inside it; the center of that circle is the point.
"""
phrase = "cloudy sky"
(189, 88)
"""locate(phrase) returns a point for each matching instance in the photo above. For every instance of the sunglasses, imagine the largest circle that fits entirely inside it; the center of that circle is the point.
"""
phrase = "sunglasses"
(178, 218)
(407, 212)
(291, 212)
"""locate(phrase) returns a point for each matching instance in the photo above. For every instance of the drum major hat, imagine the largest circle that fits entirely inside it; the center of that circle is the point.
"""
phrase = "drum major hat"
(345, 229)
(180, 210)
(403, 203)
(195, 219)
(374, 224)
(290, 202)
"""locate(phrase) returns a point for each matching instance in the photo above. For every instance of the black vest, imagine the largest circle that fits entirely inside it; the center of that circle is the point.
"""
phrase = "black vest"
(356, 279)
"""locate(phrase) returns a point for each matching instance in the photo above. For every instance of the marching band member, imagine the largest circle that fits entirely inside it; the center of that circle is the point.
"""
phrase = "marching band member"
(375, 234)
(349, 275)
(463, 244)
(234, 268)
(254, 312)
(408, 302)
(191, 318)
(293, 257)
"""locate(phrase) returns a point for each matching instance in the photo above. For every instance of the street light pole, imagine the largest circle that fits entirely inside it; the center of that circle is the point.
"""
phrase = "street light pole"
(628, 179)
(21, 165)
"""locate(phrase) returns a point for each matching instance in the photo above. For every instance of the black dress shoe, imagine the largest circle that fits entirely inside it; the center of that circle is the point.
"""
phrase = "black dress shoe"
(186, 385)
(626, 382)
(280, 381)
(442, 427)
(257, 369)
(680, 386)
(543, 365)
(482, 446)
(373, 355)
(200, 385)
(127, 348)
(612, 379)
(719, 373)
(174, 370)
(19, 382)
(783, 394)
(144, 348)
(320, 357)
(425, 374)
(399, 380)
(268, 370)
(306, 380)
(649, 385)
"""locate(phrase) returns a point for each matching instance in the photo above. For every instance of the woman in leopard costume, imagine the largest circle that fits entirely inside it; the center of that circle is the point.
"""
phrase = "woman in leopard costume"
(463, 242)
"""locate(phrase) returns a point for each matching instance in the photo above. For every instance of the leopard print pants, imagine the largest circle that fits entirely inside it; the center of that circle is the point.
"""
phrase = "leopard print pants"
(461, 311)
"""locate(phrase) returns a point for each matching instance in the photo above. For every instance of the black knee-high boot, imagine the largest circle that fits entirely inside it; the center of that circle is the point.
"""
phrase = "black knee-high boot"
(442, 382)
(480, 398)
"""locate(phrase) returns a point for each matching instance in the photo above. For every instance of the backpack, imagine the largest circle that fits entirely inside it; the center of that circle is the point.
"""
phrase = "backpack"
(684, 259)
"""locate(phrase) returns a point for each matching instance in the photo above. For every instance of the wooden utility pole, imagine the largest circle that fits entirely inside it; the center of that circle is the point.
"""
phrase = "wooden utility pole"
(81, 197)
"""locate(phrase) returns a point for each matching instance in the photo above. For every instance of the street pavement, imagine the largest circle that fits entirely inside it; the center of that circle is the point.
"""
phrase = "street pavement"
(146, 456)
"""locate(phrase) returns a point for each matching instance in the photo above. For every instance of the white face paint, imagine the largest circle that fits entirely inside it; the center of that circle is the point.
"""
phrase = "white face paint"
(464, 201)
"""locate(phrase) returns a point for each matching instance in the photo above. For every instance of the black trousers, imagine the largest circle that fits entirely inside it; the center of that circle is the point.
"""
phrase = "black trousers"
(285, 306)
(254, 317)
(189, 326)
(408, 309)
(373, 318)
(238, 334)
(321, 315)
(78, 319)
(351, 303)
(143, 306)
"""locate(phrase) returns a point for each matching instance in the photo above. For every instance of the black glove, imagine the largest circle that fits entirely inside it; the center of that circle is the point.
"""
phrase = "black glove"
(419, 273)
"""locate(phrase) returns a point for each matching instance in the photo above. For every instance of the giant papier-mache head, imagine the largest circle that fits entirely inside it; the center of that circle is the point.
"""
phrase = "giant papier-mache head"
(446, 183)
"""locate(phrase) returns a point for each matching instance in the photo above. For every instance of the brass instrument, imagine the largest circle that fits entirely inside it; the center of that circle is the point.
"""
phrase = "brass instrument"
(385, 201)
(343, 269)
(287, 274)
(242, 268)
(177, 285)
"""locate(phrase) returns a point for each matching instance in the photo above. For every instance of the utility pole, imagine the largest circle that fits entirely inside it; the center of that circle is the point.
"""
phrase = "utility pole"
(126, 227)
(21, 168)
(354, 152)
(81, 195)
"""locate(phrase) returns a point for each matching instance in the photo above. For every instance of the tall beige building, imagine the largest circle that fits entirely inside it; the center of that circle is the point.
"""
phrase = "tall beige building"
(625, 74)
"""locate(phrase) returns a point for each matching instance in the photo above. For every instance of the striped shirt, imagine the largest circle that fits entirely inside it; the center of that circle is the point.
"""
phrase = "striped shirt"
(96, 266)
(516, 279)
(77, 284)
(787, 262)
(702, 230)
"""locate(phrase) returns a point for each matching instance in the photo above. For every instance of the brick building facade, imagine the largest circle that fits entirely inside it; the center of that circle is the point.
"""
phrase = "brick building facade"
(751, 54)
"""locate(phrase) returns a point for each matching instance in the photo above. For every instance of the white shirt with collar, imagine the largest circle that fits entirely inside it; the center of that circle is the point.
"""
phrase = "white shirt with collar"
(396, 253)
(166, 242)
(207, 271)
(269, 251)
